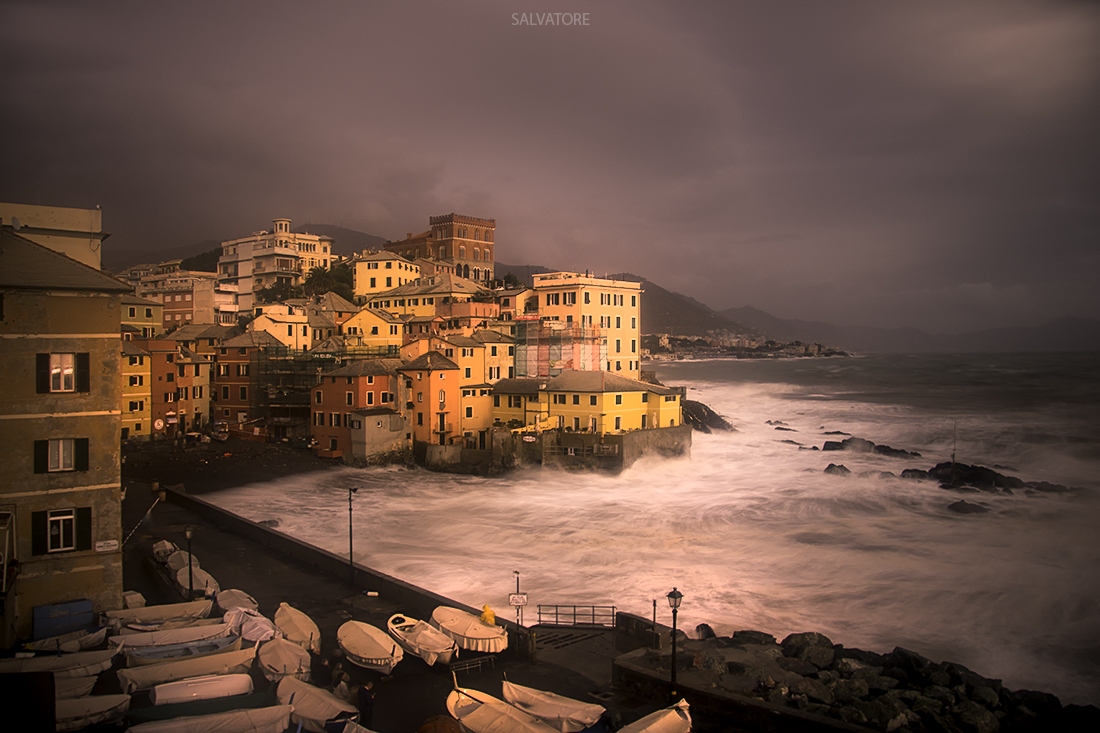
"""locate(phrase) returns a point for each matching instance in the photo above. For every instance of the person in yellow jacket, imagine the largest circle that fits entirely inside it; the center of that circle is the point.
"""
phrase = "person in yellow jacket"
(487, 616)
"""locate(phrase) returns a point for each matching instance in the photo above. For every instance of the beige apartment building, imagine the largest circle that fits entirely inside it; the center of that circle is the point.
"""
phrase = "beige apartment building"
(375, 272)
(190, 296)
(75, 233)
(266, 258)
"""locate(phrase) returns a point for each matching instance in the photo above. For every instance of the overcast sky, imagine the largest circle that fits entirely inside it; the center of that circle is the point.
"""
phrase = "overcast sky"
(928, 164)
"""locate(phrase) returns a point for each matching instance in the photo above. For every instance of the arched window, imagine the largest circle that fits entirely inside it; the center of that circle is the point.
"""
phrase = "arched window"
(429, 251)
(477, 274)
(466, 271)
(442, 396)
(462, 252)
(477, 253)
(477, 235)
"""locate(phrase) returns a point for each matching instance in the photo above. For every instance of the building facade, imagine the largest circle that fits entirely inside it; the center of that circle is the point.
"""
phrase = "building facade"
(267, 258)
(465, 244)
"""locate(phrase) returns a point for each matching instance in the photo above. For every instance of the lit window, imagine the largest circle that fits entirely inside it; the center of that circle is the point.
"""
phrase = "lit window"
(62, 530)
(61, 455)
(62, 372)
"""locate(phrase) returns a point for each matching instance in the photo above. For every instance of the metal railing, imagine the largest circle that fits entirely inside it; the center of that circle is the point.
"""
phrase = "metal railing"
(574, 615)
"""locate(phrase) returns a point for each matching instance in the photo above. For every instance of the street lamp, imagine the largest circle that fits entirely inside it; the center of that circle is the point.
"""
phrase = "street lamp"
(189, 533)
(674, 599)
(351, 557)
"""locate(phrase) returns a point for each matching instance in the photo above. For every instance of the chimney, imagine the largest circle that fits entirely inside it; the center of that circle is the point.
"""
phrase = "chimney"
(409, 235)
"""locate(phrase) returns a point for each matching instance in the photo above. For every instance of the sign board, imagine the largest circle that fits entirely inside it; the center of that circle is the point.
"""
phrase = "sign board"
(517, 599)
(106, 546)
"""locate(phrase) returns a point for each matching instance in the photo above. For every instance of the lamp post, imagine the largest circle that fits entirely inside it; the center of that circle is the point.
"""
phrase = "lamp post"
(674, 599)
(351, 557)
(189, 533)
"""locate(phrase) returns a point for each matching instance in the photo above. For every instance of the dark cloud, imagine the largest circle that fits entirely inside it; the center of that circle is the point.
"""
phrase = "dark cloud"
(928, 164)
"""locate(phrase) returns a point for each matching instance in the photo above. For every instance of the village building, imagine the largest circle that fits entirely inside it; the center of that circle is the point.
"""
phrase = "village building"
(141, 317)
(136, 403)
(371, 330)
(76, 233)
(422, 297)
(465, 243)
(267, 258)
(189, 296)
(436, 394)
(233, 389)
(363, 384)
(375, 272)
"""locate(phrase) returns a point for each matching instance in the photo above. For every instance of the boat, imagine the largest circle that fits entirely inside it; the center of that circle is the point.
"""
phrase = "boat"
(207, 687)
(77, 664)
(233, 598)
(80, 712)
(422, 639)
(369, 646)
(163, 549)
(70, 687)
(180, 559)
(196, 581)
(479, 712)
(561, 713)
(178, 652)
(674, 719)
(279, 658)
(251, 625)
(168, 637)
(179, 623)
(74, 641)
(159, 614)
(298, 628)
(273, 719)
(142, 678)
(469, 631)
(313, 707)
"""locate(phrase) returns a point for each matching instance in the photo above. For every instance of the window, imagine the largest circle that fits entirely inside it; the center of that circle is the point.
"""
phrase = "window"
(132, 312)
(618, 322)
(576, 399)
(62, 373)
(618, 423)
(225, 393)
(350, 398)
(137, 406)
(618, 346)
(467, 372)
(136, 381)
(170, 377)
(223, 370)
(469, 412)
(492, 351)
(618, 399)
(420, 418)
(645, 396)
(61, 530)
(370, 398)
(633, 301)
(244, 393)
(633, 346)
(317, 397)
(496, 400)
(65, 454)
(442, 396)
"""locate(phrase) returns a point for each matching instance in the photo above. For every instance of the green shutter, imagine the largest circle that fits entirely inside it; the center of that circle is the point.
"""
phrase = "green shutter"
(42, 373)
(84, 528)
(39, 533)
(83, 373)
(80, 454)
(41, 456)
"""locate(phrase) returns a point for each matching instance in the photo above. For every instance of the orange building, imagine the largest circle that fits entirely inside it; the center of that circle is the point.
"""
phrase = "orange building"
(436, 395)
(358, 385)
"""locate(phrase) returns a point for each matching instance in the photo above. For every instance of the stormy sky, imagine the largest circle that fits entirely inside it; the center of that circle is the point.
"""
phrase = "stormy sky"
(931, 164)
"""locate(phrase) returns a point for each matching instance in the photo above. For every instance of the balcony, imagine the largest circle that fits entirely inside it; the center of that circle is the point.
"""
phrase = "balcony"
(444, 429)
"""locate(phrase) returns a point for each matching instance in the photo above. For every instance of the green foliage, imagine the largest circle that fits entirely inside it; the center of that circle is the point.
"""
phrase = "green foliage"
(278, 292)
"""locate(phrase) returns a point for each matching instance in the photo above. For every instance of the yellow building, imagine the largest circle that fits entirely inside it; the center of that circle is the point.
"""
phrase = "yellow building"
(520, 403)
(613, 306)
(136, 403)
(420, 297)
(374, 329)
(141, 318)
(60, 489)
(375, 272)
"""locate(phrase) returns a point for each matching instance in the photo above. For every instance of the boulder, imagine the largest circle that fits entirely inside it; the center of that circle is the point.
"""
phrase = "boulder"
(810, 647)
(796, 665)
(704, 631)
(885, 450)
(975, 717)
(850, 690)
(858, 445)
(753, 637)
(837, 469)
(957, 475)
(832, 445)
(914, 473)
(813, 690)
(710, 660)
(964, 507)
(702, 418)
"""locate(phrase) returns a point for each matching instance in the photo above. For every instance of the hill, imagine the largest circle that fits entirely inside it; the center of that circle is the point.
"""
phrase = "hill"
(345, 241)
(665, 311)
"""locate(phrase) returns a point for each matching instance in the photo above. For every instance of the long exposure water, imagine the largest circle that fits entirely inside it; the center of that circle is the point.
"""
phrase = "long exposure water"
(756, 536)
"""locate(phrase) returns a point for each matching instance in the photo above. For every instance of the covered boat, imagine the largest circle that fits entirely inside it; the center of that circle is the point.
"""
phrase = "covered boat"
(159, 614)
(561, 713)
(280, 658)
(180, 559)
(273, 719)
(142, 678)
(234, 598)
(197, 581)
(207, 687)
(78, 664)
(251, 625)
(469, 631)
(163, 549)
(479, 712)
(313, 707)
(70, 687)
(421, 639)
(674, 719)
(298, 628)
(185, 635)
(369, 646)
(80, 712)
(178, 652)
(75, 641)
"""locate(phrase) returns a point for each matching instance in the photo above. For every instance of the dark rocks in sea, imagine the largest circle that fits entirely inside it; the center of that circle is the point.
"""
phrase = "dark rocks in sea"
(963, 477)
(837, 469)
(789, 430)
(964, 507)
(859, 445)
(774, 422)
(915, 473)
(702, 418)
(836, 432)
(877, 474)
(704, 631)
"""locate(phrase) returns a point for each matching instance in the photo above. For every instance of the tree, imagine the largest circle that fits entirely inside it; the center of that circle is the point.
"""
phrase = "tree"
(319, 281)
(278, 292)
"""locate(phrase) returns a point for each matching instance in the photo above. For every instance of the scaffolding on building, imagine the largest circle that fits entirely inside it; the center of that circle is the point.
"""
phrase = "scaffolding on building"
(284, 382)
(546, 348)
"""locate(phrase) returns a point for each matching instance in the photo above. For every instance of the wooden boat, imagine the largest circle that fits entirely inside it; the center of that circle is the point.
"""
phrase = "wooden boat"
(187, 650)
(674, 719)
(186, 635)
(69, 687)
(159, 614)
(469, 631)
(280, 658)
(422, 639)
(197, 581)
(251, 625)
(369, 646)
(313, 707)
(142, 678)
(76, 641)
(163, 549)
(179, 560)
(179, 623)
(479, 712)
(77, 664)
(207, 687)
(80, 712)
(298, 628)
(233, 598)
(561, 713)
(273, 719)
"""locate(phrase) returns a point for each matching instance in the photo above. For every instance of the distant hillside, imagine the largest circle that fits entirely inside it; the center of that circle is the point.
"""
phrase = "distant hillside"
(522, 272)
(346, 241)
(664, 311)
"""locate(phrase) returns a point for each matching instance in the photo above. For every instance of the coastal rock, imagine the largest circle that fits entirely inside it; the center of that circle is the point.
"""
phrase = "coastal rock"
(877, 474)
(837, 469)
(789, 430)
(813, 690)
(809, 647)
(774, 422)
(964, 507)
(859, 445)
(753, 637)
(976, 718)
(1048, 488)
(796, 665)
(710, 660)
(914, 473)
(885, 450)
(836, 432)
(704, 631)
(850, 690)
(702, 418)
(959, 475)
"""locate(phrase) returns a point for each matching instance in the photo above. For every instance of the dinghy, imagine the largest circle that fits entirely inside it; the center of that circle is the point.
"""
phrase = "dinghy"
(207, 687)
(421, 639)
(185, 635)
(298, 628)
(273, 719)
(369, 646)
(561, 713)
(196, 581)
(163, 549)
(159, 614)
(66, 688)
(478, 712)
(313, 707)
(251, 625)
(673, 719)
(78, 664)
(142, 678)
(469, 631)
(180, 559)
(186, 650)
(76, 641)
(233, 598)
(280, 658)
(80, 712)
(180, 623)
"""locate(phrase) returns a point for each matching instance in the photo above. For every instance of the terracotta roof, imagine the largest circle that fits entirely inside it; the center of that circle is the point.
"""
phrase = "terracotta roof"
(367, 368)
(131, 299)
(489, 336)
(25, 265)
(252, 340)
(330, 301)
(572, 380)
(523, 385)
(431, 361)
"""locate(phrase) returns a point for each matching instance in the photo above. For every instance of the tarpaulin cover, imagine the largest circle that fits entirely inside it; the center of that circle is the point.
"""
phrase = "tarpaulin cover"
(233, 598)
(171, 636)
(468, 631)
(298, 628)
(160, 614)
(275, 719)
(482, 713)
(562, 713)
(142, 678)
(251, 625)
(281, 658)
(178, 560)
(201, 688)
(80, 664)
(673, 719)
(312, 705)
(80, 712)
(197, 580)
(420, 638)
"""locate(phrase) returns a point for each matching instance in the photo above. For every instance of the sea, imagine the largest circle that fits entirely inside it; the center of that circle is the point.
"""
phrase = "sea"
(756, 536)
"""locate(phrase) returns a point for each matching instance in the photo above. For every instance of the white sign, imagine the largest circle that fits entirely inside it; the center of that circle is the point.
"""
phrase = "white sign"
(106, 546)
(517, 599)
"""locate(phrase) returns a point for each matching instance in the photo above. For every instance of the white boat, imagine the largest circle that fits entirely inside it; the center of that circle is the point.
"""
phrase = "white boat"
(234, 598)
(80, 712)
(273, 719)
(421, 639)
(70, 687)
(159, 614)
(675, 719)
(75, 641)
(142, 678)
(479, 712)
(180, 559)
(78, 664)
(179, 652)
(280, 658)
(163, 549)
(312, 705)
(185, 635)
(469, 631)
(196, 581)
(369, 646)
(251, 625)
(207, 687)
(298, 628)
(561, 713)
